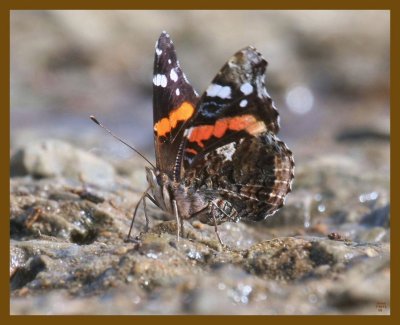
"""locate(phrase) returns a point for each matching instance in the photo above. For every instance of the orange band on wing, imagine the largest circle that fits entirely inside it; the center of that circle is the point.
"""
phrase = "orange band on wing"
(200, 133)
(220, 127)
(192, 151)
(166, 124)
(238, 123)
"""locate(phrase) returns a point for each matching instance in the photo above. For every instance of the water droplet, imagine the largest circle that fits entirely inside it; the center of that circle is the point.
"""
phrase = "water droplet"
(368, 197)
(246, 290)
(321, 208)
(348, 256)
(244, 300)
(194, 255)
(152, 255)
(241, 294)
(300, 99)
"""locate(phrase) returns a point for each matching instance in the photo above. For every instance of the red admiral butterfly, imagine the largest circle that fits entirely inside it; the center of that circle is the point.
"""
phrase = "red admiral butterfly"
(218, 157)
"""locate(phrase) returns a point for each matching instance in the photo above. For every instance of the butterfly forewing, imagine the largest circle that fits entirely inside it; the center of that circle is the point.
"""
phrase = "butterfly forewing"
(174, 102)
(235, 105)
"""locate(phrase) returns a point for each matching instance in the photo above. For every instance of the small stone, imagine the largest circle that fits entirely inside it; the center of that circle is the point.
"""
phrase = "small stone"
(51, 158)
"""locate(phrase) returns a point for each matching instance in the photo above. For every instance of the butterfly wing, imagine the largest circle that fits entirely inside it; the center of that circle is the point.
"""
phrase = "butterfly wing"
(236, 104)
(174, 101)
(253, 174)
(231, 151)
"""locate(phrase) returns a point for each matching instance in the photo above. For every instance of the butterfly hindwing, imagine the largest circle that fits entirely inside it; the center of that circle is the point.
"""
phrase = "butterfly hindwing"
(236, 104)
(174, 101)
(254, 174)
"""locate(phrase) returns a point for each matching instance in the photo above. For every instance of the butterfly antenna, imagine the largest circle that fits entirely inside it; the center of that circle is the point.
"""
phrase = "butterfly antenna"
(95, 120)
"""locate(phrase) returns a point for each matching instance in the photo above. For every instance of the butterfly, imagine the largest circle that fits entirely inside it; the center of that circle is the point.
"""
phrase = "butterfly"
(218, 158)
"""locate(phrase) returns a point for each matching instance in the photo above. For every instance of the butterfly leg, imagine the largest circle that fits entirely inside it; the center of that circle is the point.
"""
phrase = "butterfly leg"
(148, 196)
(152, 200)
(213, 204)
(128, 237)
(175, 206)
(216, 232)
(146, 227)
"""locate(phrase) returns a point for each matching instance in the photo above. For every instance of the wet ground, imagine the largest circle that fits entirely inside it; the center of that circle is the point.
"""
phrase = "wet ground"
(73, 190)
(326, 251)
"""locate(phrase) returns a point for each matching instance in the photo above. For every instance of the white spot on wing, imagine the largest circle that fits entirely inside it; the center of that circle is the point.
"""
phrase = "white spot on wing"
(246, 88)
(188, 132)
(160, 80)
(213, 90)
(169, 61)
(225, 92)
(158, 51)
(163, 81)
(173, 75)
(243, 103)
(177, 92)
(227, 151)
(217, 90)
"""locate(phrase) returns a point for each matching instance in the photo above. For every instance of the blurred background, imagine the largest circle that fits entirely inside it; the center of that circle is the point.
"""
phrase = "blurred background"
(328, 74)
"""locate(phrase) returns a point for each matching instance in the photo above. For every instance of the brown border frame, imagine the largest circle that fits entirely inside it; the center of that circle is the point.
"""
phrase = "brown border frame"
(7, 5)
